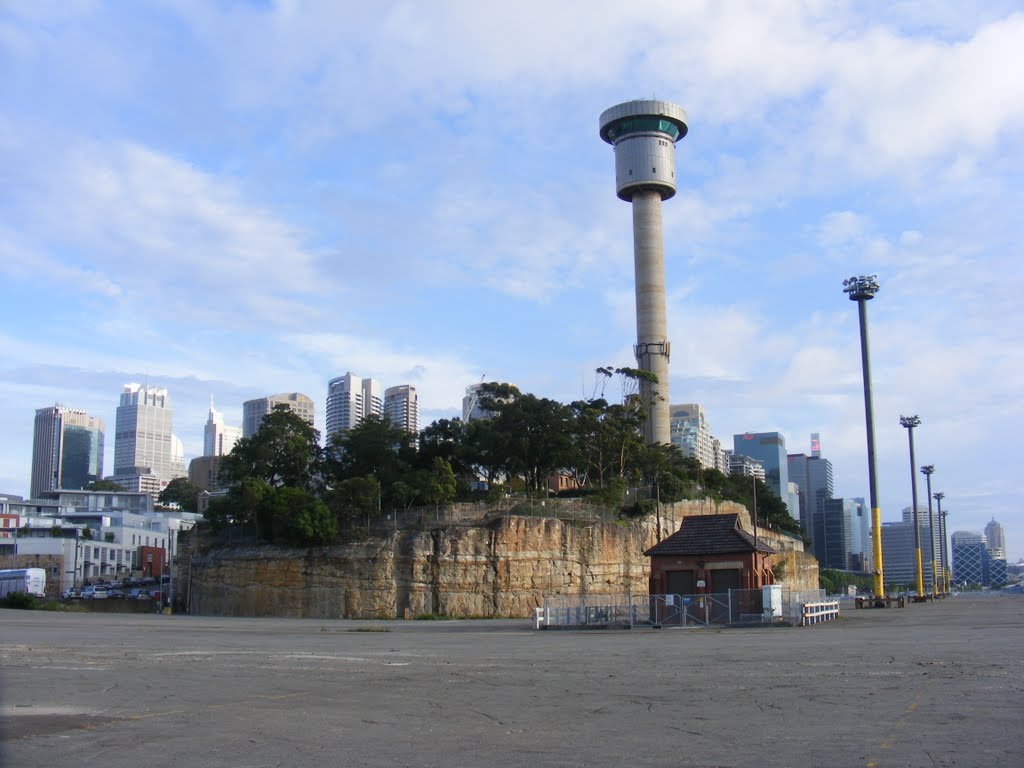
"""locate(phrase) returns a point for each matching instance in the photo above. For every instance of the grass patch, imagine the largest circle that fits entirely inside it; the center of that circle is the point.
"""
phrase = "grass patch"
(431, 617)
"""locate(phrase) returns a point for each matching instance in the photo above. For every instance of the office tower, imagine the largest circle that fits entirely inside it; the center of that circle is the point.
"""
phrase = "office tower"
(813, 475)
(253, 411)
(402, 408)
(899, 562)
(860, 533)
(644, 133)
(769, 448)
(144, 444)
(970, 558)
(67, 450)
(793, 500)
(218, 438)
(926, 529)
(996, 540)
(832, 535)
(689, 431)
(350, 399)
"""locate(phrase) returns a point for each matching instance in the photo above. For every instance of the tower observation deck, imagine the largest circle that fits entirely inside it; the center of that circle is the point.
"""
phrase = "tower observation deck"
(644, 133)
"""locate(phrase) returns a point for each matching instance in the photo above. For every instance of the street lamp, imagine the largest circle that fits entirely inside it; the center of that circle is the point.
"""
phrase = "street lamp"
(939, 496)
(862, 289)
(927, 470)
(909, 422)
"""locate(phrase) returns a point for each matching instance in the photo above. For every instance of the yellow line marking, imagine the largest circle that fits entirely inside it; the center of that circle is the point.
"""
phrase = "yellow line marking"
(900, 722)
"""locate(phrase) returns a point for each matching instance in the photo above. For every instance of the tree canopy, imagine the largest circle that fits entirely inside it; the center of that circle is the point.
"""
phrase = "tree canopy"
(282, 482)
(182, 492)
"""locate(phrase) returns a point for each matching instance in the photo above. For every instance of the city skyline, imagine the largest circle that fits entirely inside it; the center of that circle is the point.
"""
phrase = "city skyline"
(193, 211)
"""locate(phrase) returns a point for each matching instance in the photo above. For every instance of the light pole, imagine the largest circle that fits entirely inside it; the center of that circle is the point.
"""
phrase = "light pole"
(909, 422)
(862, 289)
(939, 496)
(927, 470)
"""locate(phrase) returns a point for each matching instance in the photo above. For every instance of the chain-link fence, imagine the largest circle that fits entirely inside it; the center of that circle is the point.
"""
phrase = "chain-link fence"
(768, 605)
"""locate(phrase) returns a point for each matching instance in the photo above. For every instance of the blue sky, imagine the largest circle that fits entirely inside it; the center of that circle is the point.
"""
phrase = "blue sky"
(235, 199)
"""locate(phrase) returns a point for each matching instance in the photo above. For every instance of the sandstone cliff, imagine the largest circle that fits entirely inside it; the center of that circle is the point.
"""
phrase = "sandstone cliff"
(502, 568)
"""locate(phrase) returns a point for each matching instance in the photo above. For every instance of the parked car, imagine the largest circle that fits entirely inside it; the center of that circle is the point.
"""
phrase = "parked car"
(137, 594)
(117, 594)
(95, 593)
(70, 594)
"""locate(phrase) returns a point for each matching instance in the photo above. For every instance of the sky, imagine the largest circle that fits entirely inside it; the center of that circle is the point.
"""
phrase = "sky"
(232, 199)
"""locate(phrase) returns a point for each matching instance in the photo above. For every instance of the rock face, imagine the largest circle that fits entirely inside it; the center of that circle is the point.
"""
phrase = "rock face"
(501, 569)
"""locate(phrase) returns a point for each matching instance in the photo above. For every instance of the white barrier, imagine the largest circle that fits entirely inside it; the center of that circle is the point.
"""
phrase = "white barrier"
(813, 613)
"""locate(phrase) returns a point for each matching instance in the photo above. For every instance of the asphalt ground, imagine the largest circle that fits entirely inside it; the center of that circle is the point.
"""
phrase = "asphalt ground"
(937, 684)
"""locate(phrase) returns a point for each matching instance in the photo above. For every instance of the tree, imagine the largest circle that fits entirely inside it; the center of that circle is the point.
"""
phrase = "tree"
(181, 492)
(534, 438)
(374, 447)
(240, 505)
(104, 485)
(284, 452)
(295, 517)
(354, 499)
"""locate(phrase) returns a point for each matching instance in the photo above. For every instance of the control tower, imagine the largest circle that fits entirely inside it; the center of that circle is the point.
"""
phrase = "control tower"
(644, 133)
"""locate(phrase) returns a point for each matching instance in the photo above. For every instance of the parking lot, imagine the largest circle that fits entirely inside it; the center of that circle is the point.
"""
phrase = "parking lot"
(939, 684)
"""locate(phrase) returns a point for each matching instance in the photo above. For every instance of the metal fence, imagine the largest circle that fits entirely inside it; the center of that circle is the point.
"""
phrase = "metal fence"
(771, 605)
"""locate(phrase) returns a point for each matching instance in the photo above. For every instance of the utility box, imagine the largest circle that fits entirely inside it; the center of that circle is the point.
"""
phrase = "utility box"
(771, 601)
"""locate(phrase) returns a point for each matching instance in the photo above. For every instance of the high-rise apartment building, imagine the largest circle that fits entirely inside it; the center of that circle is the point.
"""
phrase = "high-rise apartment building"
(689, 431)
(769, 448)
(67, 450)
(350, 399)
(744, 465)
(471, 407)
(721, 456)
(147, 455)
(402, 408)
(253, 411)
(996, 540)
(218, 438)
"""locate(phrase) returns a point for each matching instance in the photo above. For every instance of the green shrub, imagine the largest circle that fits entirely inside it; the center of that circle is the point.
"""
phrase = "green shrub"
(20, 600)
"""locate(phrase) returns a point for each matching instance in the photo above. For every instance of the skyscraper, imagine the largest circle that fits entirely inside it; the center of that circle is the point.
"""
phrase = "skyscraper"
(402, 408)
(899, 563)
(145, 454)
(996, 540)
(253, 411)
(351, 399)
(769, 448)
(218, 438)
(860, 533)
(832, 535)
(67, 450)
(813, 475)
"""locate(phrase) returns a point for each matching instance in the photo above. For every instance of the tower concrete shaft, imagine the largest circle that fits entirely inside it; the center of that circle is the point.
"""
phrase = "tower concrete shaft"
(644, 134)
